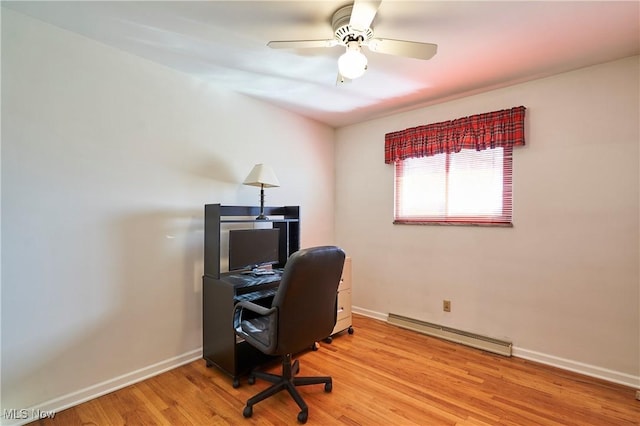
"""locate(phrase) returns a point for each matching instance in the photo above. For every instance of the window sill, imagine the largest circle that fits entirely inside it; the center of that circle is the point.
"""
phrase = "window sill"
(436, 223)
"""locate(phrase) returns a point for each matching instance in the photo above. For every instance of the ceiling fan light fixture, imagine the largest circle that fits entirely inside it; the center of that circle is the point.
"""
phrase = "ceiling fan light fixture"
(352, 64)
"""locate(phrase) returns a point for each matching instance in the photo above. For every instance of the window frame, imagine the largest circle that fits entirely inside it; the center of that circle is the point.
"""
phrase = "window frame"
(503, 220)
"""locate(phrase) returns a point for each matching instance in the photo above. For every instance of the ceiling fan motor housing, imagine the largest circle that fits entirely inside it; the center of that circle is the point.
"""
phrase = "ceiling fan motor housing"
(343, 32)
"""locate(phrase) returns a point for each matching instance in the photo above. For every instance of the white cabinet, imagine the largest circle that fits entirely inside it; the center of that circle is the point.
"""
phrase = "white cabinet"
(343, 321)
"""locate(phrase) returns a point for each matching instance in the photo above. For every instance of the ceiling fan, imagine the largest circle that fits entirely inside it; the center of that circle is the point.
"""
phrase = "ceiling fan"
(352, 29)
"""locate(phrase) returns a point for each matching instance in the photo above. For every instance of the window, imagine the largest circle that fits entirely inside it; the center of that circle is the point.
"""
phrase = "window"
(457, 171)
(467, 187)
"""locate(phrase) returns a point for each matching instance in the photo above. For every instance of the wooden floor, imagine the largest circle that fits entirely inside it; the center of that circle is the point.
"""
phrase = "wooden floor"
(382, 375)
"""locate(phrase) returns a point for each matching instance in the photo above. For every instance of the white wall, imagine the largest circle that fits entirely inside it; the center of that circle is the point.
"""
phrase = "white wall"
(107, 161)
(563, 283)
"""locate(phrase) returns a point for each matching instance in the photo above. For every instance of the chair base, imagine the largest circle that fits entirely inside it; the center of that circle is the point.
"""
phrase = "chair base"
(286, 381)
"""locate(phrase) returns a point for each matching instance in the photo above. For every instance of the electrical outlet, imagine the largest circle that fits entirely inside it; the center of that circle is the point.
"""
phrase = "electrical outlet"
(446, 305)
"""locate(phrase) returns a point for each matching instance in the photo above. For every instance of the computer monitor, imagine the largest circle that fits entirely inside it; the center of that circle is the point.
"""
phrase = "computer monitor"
(252, 248)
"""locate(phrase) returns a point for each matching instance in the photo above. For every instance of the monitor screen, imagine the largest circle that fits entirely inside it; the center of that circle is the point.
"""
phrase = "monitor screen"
(250, 248)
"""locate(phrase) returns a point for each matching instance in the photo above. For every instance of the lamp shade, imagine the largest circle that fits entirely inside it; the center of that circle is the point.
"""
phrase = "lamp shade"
(263, 176)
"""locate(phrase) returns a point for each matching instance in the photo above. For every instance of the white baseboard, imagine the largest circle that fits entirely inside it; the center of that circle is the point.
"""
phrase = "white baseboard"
(99, 389)
(579, 367)
(565, 364)
(369, 313)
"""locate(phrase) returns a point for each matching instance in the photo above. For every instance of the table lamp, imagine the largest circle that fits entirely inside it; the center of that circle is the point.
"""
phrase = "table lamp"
(263, 176)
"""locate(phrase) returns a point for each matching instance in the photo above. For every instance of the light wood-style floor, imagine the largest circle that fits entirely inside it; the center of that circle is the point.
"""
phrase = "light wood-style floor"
(382, 375)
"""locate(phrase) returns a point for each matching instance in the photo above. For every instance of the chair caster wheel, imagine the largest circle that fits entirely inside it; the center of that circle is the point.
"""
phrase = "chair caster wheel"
(315, 346)
(328, 387)
(251, 380)
(328, 339)
(248, 411)
(350, 330)
(236, 383)
(302, 416)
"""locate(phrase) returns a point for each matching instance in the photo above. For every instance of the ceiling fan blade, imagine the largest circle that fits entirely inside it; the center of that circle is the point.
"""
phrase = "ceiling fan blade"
(410, 49)
(363, 13)
(301, 44)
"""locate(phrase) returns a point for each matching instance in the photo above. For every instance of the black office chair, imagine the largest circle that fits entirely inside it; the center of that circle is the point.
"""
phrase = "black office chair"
(303, 312)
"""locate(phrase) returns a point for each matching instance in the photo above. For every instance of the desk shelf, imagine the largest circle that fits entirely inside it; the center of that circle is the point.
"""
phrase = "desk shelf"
(286, 219)
(254, 220)
(221, 291)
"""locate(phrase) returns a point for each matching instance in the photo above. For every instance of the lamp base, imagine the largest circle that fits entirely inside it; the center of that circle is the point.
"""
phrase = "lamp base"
(261, 216)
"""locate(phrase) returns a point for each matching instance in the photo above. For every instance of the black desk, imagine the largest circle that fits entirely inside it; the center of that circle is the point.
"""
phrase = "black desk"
(220, 346)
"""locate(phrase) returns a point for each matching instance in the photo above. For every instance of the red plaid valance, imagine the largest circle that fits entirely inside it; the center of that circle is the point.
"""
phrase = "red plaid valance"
(489, 130)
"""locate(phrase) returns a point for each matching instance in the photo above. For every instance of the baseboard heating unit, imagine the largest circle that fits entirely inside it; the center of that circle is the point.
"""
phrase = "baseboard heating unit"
(477, 341)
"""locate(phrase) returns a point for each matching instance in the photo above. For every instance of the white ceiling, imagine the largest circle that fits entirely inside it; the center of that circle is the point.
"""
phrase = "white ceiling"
(481, 46)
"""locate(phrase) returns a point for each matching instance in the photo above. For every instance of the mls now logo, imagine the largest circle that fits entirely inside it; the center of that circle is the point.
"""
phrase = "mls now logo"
(24, 414)
(15, 414)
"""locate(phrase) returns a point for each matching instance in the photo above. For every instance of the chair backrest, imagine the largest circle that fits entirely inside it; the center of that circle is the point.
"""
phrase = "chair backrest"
(306, 297)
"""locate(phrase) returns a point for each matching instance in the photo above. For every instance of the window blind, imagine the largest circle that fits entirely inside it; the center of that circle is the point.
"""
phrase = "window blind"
(466, 187)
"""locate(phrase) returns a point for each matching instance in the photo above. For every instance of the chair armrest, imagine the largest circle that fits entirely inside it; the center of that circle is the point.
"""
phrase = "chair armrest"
(265, 325)
(253, 307)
